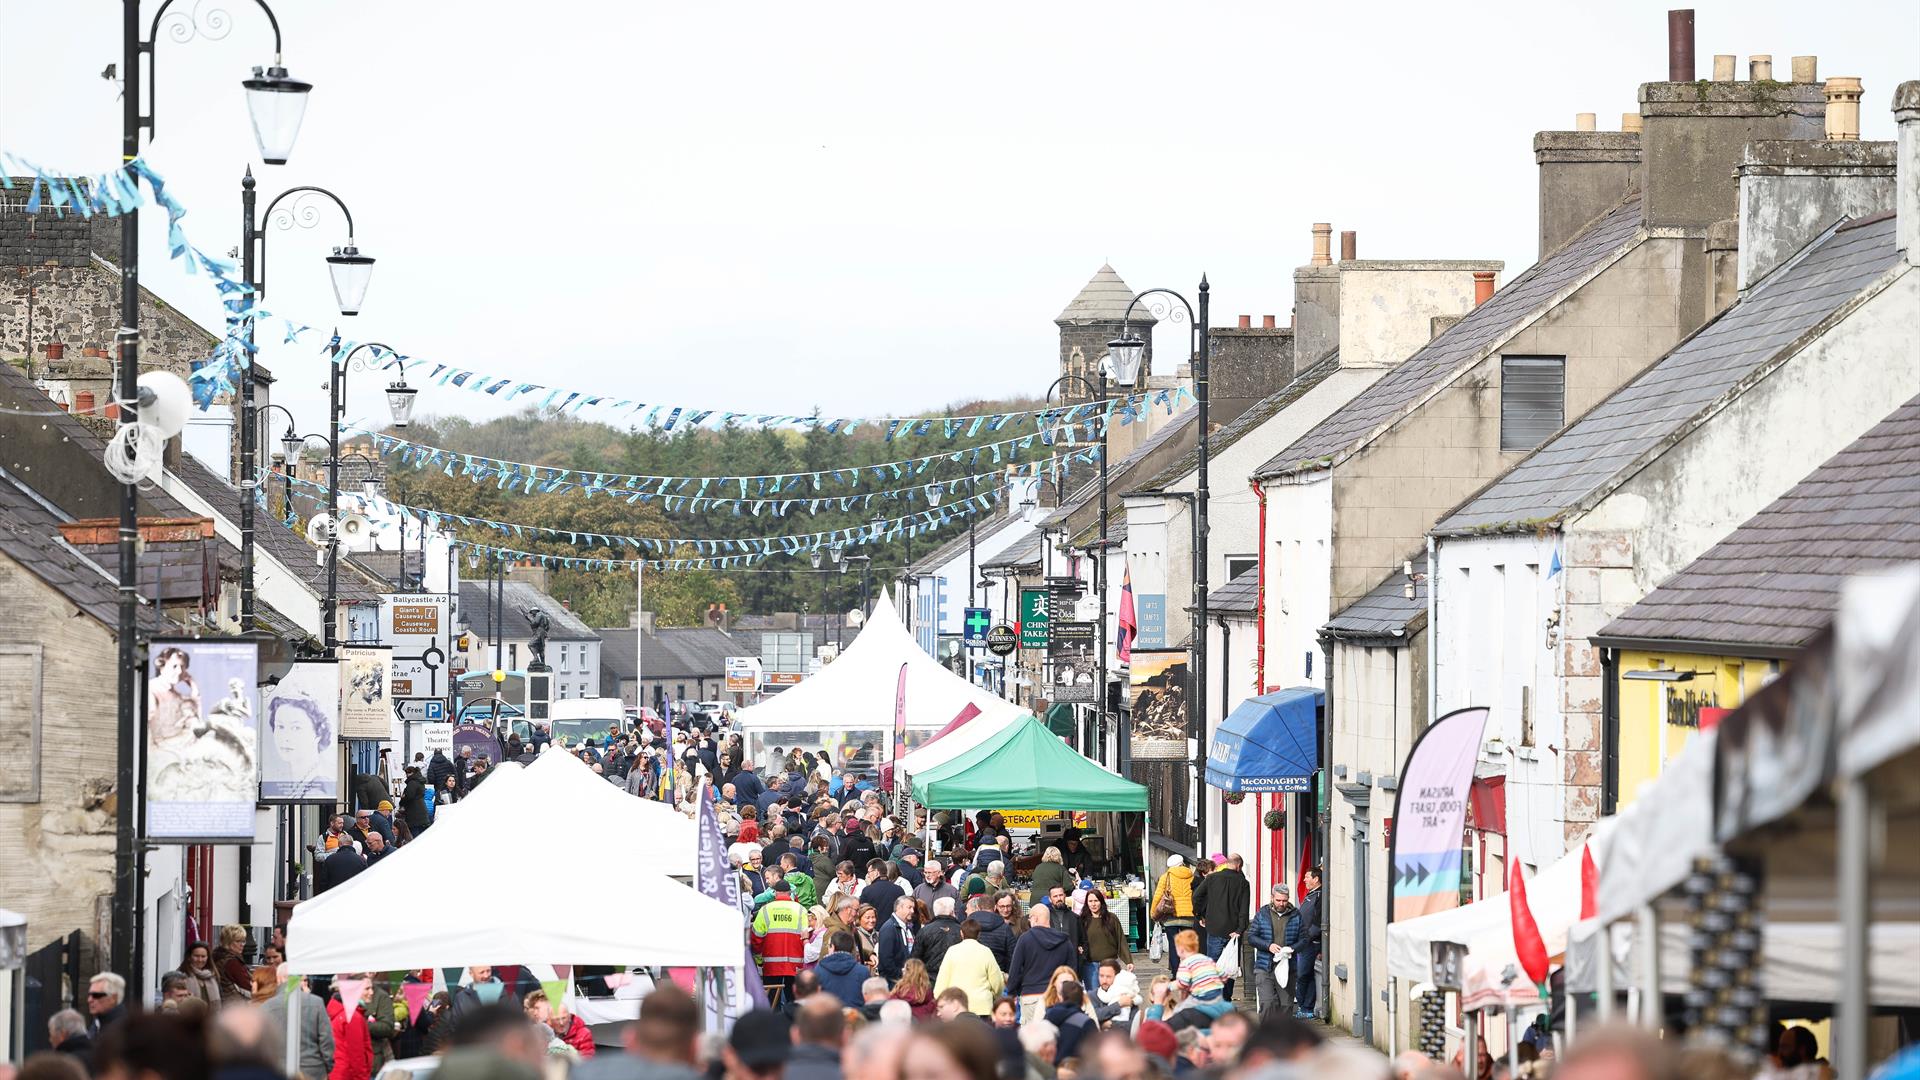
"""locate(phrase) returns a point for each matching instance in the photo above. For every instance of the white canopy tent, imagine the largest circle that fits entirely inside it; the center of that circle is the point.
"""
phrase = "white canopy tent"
(652, 834)
(851, 701)
(524, 871)
(1486, 926)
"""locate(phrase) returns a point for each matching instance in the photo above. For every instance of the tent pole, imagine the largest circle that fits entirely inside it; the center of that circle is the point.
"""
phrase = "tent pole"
(292, 1058)
(1470, 1057)
(1651, 1014)
(1857, 828)
(1604, 978)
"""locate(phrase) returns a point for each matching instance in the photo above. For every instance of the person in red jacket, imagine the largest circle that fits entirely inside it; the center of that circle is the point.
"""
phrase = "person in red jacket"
(780, 931)
(352, 1041)
(572, 1030)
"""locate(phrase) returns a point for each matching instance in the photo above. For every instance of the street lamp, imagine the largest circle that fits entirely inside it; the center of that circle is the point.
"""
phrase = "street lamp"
(866, 581)
(336, 407)
(824, 560)
(350, 277)
(276, 104)
(1127, 353)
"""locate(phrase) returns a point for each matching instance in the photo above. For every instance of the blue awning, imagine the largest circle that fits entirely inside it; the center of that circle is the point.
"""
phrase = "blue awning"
(1269, 743)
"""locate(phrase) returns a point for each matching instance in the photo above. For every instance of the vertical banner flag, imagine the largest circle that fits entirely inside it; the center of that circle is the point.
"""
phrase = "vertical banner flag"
(301, 762)
(366, 692)
(713, 877)
(203, 740)
(1129, 624)
(1527, 944)
(900, 716)
(1430, 816)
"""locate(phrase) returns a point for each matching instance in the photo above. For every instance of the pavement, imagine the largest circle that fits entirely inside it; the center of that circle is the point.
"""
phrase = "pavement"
(1147, 969)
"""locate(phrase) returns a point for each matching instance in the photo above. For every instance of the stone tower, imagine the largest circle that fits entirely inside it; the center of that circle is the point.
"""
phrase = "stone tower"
(1093, 319)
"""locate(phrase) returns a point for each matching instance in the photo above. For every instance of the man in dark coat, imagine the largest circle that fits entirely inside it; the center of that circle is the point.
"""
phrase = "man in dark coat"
(882, 890)
(1067, 922)
(747, 786)
(995, 934)
(1306, 947)
(896, 941)
(338, 867)
(1224, 902)
(439, 767)
(942, 932)
(413, 801)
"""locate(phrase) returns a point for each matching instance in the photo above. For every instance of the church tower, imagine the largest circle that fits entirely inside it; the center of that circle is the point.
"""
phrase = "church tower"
(1093, 319)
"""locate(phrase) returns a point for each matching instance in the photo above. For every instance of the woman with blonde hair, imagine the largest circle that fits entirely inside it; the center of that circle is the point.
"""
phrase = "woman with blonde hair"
(1060, 977)
(1051, 871)
(866, 926)
(230, 965)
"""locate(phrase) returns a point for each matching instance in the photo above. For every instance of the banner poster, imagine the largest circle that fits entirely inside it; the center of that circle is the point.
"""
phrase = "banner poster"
(1075, 670)
(1430, 816)
(302, 758)
(436, 737)
(366, 692)
(203, 739)
(1158, 681)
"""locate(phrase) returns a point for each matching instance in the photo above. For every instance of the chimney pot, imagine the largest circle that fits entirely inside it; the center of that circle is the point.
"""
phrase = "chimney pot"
(1584, 121)
(56, 350)
(1760, 67)
(1843, 108)
(1806, 69)
(1680, 45)
(1482, 287)
(1322, 242)
(1349, 244)
(1630, 122)
(1246, 322)
(1266, 322)
(1723, 67)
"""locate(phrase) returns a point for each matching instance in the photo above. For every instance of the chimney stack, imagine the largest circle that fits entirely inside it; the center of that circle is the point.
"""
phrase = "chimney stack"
(1322, 242)
(1806, 69)
(1266, 322)
(1760, 68)
(1585, 121)
(1843, 108)
(1482, 287)
(1350, 240)
(1680, 45)
(1906, 116)
(1630, 123)
(1723, 67)
(1246, 322)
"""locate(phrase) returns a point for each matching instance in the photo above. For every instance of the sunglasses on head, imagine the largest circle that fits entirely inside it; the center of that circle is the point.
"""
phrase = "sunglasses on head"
(98, 994)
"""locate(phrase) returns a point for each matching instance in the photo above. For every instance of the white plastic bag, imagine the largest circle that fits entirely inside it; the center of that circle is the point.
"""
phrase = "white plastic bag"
(1156, 943)
(1283, 966)
(1229, 961)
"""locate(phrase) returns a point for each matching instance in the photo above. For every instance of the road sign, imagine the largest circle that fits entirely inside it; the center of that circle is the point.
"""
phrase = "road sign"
(1002, 639)
(416, 626)
(1036, 619)
(421, 710)
(743, 674)
(973, 627)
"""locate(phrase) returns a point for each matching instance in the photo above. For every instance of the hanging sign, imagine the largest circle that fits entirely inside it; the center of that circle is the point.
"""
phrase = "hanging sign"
(366, 692)
(1002, 640)
(974, 625)
(415, 626)
(1158, 681)
(302, 755)
(203, 739)
(1071, 657)
(1036, 619)
(743, 674)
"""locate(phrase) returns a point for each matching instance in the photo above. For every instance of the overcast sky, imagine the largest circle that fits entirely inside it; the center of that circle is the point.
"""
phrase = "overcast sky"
(866, 207)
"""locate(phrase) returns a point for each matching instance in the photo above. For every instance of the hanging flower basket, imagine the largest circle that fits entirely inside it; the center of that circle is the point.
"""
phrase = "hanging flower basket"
(1235, 798)
(1275, 819)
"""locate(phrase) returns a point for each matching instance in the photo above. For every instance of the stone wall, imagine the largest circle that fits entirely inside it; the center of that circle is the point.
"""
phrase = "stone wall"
(56, 852)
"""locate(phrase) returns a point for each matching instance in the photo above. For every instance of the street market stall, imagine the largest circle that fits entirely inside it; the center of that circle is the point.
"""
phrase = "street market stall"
(848, 709)
(525, 870)
(971, 728)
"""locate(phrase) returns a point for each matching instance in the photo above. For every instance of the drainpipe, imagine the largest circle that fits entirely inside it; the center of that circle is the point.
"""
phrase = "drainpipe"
(1433, 629)
(1226, 695)
(1260, 595)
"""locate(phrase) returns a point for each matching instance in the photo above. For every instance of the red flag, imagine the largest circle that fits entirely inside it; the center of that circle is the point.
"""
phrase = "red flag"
(1526, 933)
(1306, 864)
(1589, 883)
(1129, 627)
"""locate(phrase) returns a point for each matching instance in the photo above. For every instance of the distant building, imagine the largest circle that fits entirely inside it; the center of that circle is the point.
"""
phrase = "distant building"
(685, 663)
(573, 648)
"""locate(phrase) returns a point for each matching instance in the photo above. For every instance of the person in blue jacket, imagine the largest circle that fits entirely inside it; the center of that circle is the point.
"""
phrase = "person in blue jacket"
(840, 971)
(1271, 931)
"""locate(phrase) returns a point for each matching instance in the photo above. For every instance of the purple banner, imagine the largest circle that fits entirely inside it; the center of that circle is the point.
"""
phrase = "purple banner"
(1430, 816)
(713, 876)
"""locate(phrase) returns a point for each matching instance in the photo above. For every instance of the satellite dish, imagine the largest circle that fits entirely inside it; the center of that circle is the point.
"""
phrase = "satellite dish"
(354, 528)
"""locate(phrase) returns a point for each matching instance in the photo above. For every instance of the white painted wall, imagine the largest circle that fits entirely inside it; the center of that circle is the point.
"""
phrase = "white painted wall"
(1299, 578)
(274, 584)
(1496, 603)
(1387, 308)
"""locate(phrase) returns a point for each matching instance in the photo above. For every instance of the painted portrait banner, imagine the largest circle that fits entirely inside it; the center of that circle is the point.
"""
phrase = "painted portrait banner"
(301, 762)
(203, 739)
(366, 692)
(1430, 816)
(1158, 681)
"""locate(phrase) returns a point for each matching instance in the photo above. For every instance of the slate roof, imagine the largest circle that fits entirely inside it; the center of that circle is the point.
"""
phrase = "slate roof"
(1385, 609)
(1104, 299)
(1774, 582)
(1259, 413)
(1238, 595)
(273, 536)
(1116, 529)
(385, 565)
(1776, 317)
(517, 596)
(1463, 343)
(1119, 480)
(1024, 552)
(674, 652)
(30, 536)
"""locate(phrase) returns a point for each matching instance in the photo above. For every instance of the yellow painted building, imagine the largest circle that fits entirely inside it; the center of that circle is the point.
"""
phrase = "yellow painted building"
(1660, 694)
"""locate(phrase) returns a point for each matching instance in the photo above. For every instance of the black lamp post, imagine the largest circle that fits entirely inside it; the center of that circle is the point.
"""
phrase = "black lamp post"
(1126, 353)
(400, 399)
(824, 560)
(351, 272)
(866, 582)
(276, 104)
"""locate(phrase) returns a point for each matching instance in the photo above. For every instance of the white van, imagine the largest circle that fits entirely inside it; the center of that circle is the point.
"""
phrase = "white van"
(575, 720)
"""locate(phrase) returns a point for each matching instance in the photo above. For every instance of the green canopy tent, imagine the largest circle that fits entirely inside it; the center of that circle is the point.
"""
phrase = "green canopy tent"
(1025, 765)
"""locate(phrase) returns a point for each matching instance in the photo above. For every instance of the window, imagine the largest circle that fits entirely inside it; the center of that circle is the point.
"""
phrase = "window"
(563, 657)
(1240, 564)
(513, 656)
(1533, 400)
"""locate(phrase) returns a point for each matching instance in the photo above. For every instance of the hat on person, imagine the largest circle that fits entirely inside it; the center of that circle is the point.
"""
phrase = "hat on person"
(1156, 1038)
(1175, 860)
(1218, 859)
(763, 1038)
(386, 805)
